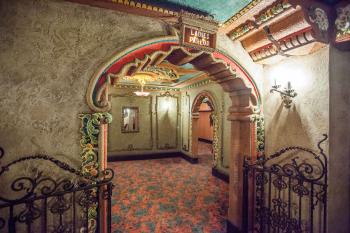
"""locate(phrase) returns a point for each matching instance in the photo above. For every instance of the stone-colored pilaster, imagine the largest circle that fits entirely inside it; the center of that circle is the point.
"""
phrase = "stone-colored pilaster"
(195, 127)
(240, 113)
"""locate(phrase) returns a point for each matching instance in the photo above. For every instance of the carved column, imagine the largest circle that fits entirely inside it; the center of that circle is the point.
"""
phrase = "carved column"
(195, 128)
(240, 115)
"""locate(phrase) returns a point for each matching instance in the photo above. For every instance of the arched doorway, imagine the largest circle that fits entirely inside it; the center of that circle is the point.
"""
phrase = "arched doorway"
(221, 68)
(205, 98)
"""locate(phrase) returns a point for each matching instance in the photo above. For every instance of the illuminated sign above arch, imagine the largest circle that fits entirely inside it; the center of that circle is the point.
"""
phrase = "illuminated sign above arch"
(196, 37)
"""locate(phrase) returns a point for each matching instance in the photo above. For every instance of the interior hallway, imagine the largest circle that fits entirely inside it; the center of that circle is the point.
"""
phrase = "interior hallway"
(168, 195)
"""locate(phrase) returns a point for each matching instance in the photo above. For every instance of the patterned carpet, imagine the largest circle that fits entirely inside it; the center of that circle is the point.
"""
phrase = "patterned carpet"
(168, 196)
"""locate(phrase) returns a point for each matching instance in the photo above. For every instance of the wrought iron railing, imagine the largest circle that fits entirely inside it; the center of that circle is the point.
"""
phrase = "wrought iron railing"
(286, 191)
(61, 202)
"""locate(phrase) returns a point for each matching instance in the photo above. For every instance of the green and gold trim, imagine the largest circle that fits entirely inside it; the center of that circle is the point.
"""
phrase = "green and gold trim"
(167, 146)
(242, 12)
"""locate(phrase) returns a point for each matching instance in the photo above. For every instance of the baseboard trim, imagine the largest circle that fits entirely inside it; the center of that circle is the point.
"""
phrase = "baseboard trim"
(115, 158)
(218, 174)
(231, 228)
(205, 140)
(189, 158)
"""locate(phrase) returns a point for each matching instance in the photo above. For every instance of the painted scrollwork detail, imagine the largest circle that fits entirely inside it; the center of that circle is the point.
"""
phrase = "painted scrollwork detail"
(260, 133)
(216, 140)
(89, 144)
(89, 140)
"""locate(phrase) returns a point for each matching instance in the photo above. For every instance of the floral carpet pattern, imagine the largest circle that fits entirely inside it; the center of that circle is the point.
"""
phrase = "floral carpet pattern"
(168, 196)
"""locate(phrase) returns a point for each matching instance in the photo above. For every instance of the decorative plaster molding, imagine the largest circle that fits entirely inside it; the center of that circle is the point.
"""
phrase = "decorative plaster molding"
(260, 133)
(167, 146)
(319, 16)
(242, 12)
(188, 101)
(157, 50)
(90, 123)
(286, 44)
(146, 88)
(342, 24)
(263, 17)
(198, 84)
(89, 130)
(131, 147)
(217, 137)
(271, 12)
(217, 145)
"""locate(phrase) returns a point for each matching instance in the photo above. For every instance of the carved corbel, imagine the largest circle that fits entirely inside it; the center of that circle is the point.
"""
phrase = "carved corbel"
(317, 14)
(341, 26)
(242, 105)
(330, 24)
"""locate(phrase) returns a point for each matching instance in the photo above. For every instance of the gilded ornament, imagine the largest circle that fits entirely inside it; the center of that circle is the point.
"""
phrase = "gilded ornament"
(216, 141)
(260, 133)
(89, 129)
(342, 23)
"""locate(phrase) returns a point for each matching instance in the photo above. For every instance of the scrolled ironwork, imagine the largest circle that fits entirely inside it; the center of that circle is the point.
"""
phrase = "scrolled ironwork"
(71, 200)
(300, 189)
(60, 205)
(298, 169)
(37, 185)
(290, 191)
(29, 214)
(279, 183)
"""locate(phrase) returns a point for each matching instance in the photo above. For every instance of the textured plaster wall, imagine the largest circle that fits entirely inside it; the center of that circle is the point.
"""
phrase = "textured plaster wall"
(339, 147)
(223, 102)
(48, 52)
(308, 118)
(159, 122)
(237, 52)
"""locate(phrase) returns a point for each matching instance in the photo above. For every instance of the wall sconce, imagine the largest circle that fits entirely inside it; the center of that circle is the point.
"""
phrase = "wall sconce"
(287, 94)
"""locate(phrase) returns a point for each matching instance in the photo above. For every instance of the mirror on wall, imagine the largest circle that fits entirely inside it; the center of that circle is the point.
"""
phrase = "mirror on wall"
(130, 120)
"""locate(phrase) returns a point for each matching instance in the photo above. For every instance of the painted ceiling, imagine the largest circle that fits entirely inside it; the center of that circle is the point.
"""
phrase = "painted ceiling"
(221, 10)
(188, 73)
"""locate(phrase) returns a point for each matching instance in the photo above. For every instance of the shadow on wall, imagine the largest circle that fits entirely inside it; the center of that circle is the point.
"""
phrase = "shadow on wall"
(287, 129)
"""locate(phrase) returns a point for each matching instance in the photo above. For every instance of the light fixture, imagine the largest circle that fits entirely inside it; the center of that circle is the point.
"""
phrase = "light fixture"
(287, 94)
(142, 84)
(141, 93)
(151, 74)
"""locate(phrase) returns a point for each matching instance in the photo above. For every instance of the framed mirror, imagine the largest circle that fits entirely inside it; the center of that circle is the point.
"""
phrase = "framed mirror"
(130, 120)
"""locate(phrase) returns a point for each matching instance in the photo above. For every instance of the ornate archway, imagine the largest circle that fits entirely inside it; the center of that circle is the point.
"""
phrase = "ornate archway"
(195, 124)
(220, 67)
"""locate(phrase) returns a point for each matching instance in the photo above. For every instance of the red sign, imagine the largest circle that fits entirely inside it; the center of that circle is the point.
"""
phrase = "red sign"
(198, 38)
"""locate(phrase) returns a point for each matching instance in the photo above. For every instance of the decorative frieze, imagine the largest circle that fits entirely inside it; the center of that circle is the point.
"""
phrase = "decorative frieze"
(272, 11)
(198, 84)
(144, 6)
(242, 12)
(148, 88)
(264, 16)
(286, 44)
